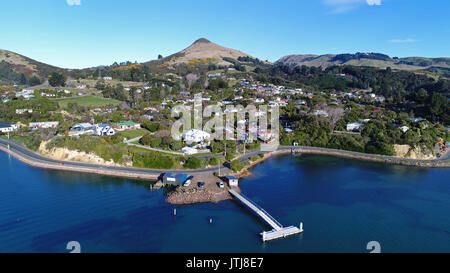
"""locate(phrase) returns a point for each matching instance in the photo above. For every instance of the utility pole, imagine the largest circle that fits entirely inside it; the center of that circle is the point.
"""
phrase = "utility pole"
(245, 142)
(219, 167)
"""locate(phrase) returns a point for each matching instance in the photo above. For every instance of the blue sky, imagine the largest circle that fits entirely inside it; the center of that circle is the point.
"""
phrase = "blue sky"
(85, 33)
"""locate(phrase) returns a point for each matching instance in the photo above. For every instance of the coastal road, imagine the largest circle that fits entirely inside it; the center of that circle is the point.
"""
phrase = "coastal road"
(27, 154)
(38, 160)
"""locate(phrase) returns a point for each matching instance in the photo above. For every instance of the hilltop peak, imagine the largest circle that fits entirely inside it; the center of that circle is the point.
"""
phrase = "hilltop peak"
(204, 51)
(202, 40)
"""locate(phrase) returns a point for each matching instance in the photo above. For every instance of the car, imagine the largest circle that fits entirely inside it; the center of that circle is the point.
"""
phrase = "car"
(201, 185)
(187, 183)
(221, 185)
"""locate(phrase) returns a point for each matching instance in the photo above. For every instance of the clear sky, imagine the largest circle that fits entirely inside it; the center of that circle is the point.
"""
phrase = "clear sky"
(85, 33)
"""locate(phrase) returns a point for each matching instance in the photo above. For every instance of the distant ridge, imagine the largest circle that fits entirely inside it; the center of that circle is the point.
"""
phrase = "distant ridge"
(366, 59)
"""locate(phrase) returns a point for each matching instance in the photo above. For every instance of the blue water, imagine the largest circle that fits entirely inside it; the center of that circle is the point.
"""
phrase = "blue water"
(343, 204)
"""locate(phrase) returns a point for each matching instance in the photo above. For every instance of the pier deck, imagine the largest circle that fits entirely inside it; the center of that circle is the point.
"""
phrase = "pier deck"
(278, 230)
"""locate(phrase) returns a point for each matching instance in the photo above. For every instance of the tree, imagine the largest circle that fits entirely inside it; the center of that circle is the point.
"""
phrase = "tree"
(57, 79)
(160, 56)
(146, 140)
(151, 126)
(23, 79)
(438, 104)
(34, 81)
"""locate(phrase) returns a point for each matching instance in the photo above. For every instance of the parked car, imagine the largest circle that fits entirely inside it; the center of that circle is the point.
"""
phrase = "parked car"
(187, 183)
(221, 185)
(201, 185)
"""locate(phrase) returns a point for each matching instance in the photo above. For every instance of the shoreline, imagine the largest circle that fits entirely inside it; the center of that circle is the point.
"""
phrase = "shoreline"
(99, 171)
(176, 198)
(347, 154)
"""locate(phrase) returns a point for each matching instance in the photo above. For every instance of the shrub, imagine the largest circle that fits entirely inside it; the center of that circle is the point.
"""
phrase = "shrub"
(193, 163)
(255, 158)
(176, 145)
(55, 142)
(229, 156)
(236, 165)
(152, 160)
(213, 161)
(156, 142)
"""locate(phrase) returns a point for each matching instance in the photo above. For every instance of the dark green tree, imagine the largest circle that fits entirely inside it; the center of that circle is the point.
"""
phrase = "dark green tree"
(57, 79)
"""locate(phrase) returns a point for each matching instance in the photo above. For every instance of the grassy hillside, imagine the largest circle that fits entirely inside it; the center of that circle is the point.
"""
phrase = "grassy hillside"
(88, 101)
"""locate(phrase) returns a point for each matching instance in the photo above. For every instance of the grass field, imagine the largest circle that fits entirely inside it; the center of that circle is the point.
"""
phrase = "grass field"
(88, 101)
(134, 133)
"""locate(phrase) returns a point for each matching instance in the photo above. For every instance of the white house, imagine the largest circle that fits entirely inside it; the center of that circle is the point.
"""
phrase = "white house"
(22, 111)
(195, 135)
(320, 113)
(44, 125)
(403, 128)
(104, 129)
(26, 93)
(353, 126)
(189, 150)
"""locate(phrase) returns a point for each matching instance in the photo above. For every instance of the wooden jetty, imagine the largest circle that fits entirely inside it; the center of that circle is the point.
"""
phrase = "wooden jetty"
(278, 230)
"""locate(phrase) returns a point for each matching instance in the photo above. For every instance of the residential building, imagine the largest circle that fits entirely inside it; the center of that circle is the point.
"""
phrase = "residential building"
(403, 128)
(322, 113)
(196, 136)
(6, 127)
(353, 126)
(175, 179)
(44, 125)
(82, 126)
(22, 111)
(104, 129)
(126, 125)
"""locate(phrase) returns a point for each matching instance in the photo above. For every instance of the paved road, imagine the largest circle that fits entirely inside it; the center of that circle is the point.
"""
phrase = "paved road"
(31, 155)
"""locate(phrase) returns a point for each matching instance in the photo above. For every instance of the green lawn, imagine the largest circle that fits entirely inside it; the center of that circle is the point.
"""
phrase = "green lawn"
(88, 101)
(134, 133)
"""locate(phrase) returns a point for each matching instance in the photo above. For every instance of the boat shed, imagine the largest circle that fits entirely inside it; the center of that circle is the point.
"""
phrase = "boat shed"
(232, 181)
(174, 178)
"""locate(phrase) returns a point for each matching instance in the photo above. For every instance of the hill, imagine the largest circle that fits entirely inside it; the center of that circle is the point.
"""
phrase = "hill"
(369, 59)
(202, 51)
(13, 65)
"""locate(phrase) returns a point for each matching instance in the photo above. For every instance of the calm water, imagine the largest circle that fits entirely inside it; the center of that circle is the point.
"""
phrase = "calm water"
(343, 203)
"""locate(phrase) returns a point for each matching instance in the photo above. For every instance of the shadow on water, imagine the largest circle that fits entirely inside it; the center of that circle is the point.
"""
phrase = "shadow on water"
(73, 179)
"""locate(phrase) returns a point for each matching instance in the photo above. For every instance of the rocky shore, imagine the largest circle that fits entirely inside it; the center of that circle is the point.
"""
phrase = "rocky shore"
(176, 198)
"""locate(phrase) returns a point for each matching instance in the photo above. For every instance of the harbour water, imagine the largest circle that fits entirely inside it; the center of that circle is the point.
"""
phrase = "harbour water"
(343, 204)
